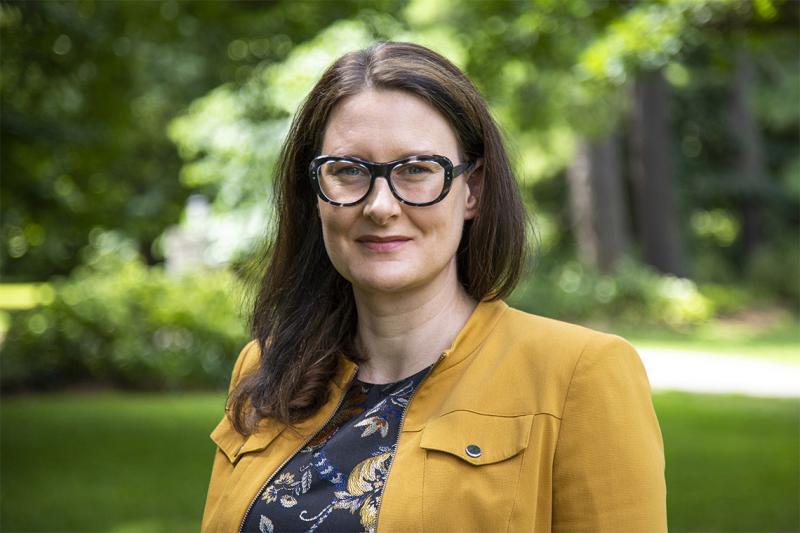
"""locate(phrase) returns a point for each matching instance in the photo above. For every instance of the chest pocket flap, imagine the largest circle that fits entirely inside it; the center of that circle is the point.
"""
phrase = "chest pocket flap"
(233, 444)
(477, 438)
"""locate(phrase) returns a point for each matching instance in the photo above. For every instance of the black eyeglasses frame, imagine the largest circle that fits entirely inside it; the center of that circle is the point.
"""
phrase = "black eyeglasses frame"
(384, 170)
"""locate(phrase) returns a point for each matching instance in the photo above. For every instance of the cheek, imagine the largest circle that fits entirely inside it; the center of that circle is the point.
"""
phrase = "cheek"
(456, 213)
(446, 227)
(334, 234)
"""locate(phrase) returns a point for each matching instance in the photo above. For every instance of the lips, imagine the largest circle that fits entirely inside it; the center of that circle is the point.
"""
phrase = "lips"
(378, 243)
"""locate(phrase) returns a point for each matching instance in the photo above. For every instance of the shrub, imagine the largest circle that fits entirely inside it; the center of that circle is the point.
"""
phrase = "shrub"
(774, 270)
(119, 322)
(633, 295)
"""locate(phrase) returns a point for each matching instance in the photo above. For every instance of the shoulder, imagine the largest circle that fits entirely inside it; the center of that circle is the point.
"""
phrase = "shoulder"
(544, 339)
(246, 362)
(550, 357)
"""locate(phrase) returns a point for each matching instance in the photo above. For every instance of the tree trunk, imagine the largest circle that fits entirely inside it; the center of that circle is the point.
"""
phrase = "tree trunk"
(751, 169)
(651, 169)
(599, 219)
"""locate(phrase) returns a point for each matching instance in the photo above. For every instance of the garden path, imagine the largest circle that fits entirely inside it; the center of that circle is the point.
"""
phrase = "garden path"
(670, 369)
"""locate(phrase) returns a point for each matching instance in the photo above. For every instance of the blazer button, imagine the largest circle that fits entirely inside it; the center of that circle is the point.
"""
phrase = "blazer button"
(473, 450)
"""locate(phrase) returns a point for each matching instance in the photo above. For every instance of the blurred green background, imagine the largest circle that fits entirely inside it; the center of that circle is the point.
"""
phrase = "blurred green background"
(657, 145)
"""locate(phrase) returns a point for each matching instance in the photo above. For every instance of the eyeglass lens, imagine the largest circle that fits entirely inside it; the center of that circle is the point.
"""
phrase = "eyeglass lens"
(348, 181)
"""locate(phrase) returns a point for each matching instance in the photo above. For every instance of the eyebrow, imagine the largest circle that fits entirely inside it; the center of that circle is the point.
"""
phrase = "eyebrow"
(403, 155)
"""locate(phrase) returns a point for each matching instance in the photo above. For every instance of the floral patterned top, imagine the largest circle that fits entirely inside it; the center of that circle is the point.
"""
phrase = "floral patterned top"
(336, 481)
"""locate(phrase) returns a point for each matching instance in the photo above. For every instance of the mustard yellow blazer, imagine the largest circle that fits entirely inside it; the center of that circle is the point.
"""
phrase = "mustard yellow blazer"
(558, 419)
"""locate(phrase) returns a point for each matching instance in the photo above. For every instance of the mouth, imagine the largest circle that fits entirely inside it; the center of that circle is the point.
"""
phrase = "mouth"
(382, 244)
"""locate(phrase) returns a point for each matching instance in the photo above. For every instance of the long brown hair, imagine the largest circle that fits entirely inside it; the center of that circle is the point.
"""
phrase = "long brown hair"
(304, 313)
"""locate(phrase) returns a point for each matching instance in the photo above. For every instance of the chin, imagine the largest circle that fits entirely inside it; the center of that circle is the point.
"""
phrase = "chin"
(385, 282)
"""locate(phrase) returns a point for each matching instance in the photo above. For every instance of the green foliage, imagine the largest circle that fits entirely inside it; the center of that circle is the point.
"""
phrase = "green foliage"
(24, 295)
(648, 37)
(231, 137)
(71, 151)
(775, 269)
(221, 80)
(635, 294)
(553, 73)
(118, 322)
(113, 112)
(88, 89)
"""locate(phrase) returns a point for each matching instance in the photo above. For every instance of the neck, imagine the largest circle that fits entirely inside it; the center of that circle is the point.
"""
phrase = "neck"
(400, 334)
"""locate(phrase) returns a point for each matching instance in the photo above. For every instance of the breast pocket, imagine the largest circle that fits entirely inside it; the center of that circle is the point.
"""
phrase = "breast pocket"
(234, 445)
(472, 466)
(230, 488)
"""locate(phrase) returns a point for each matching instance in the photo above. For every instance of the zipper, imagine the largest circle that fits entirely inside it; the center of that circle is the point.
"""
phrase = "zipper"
(295, 452)
(400, 432)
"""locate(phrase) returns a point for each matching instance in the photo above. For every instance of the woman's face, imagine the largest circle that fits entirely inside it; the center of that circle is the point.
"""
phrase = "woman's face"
(383, 126)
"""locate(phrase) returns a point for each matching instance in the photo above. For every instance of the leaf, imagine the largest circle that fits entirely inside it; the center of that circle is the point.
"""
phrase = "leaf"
(364, 476)
(288, 501)
(380, 406)
(305, 482)
(346, 501)
(265, 525)
(372, 425)
(286, 477)
(369, 514)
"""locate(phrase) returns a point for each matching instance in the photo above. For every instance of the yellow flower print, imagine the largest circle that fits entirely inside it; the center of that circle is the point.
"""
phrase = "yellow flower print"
(285, 478)
(288, 501)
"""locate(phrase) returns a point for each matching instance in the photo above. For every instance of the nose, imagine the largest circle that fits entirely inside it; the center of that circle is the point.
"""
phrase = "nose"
(381, 205)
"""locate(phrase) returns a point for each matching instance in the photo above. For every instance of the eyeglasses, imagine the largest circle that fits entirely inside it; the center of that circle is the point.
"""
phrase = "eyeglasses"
(419, 180)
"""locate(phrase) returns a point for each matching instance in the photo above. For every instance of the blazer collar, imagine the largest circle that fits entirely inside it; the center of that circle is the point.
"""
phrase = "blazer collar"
(478, 327)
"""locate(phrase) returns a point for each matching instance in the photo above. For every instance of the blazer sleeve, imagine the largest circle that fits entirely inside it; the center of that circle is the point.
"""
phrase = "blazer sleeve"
(608, 469)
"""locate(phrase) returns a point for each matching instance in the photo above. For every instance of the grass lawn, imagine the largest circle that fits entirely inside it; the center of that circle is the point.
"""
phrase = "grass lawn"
(106, 461)
(778, 343)
(733, 463)
(130, 462)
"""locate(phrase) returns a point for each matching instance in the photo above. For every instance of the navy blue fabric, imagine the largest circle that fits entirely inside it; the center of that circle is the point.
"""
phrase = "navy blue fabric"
(336, 481)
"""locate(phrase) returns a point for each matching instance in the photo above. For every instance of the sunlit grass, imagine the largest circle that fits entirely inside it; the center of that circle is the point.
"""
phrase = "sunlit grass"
(134, 462)
(781, 343)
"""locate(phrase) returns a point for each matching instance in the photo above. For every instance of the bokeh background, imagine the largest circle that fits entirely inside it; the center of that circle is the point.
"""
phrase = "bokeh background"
(657, 144)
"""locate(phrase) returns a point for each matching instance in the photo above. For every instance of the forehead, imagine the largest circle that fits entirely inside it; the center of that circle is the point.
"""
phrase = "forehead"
(384, 125)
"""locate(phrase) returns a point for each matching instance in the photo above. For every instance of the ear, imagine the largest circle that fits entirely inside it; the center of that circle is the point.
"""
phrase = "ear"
(474, 181)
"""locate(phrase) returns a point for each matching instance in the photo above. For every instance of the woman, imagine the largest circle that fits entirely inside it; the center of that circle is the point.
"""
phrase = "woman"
(388, 386)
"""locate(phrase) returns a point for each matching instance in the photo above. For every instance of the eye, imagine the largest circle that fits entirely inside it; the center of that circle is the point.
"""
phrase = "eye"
(415, 169)
(349, 170)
